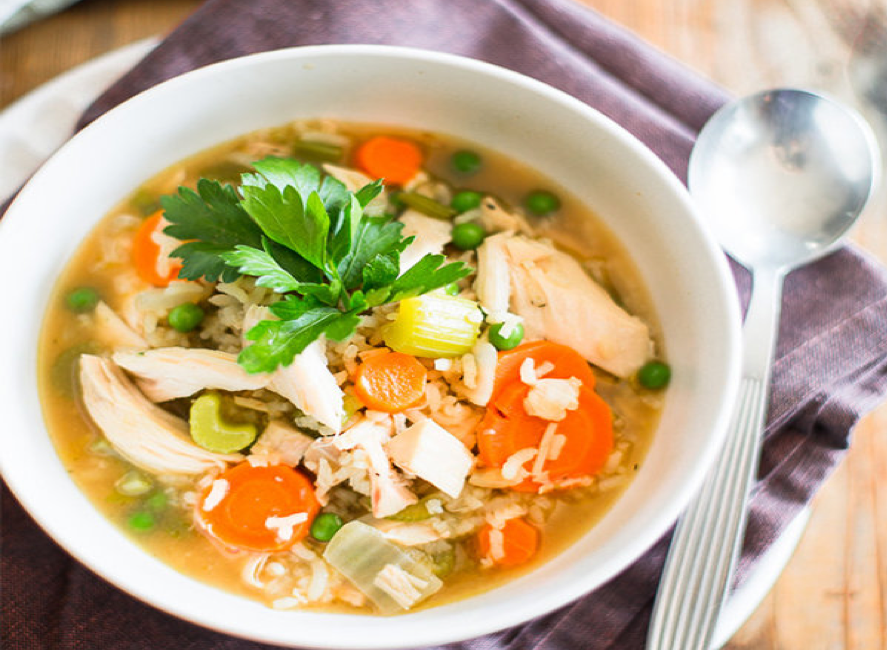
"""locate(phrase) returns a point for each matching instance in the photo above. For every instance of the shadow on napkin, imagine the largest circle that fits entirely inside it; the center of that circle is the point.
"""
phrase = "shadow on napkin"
(831, 364)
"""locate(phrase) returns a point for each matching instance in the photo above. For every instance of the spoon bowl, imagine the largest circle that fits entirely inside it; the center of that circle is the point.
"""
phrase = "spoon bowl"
(782, 175)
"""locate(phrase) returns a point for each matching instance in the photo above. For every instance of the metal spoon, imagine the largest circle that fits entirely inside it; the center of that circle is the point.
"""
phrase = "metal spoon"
(781, 176)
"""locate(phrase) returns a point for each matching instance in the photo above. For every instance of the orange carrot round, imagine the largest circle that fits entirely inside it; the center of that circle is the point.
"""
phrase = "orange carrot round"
(393, 159)
(150, 260)
(520, 542)
(390, 382)
(246, 511)
(566, 361)
(507, 428)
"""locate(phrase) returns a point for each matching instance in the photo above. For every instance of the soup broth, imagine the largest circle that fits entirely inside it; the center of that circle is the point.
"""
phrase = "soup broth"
(169, 513)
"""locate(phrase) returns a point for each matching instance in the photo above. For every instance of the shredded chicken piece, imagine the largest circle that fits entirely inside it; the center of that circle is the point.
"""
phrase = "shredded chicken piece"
(113, 331)
(140, 431)
(431, 235)
(284, 443)
(307, 382)
(493, 279)
(486, 358)
(495, 218)
(559, 301)
(388, 493)
(167, 373)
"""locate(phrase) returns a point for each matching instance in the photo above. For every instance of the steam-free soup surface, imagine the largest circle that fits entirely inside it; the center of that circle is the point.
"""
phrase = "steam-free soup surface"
(457, 436)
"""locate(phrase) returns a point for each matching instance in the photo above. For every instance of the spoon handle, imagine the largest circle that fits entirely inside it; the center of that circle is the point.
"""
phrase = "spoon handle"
(709, 535)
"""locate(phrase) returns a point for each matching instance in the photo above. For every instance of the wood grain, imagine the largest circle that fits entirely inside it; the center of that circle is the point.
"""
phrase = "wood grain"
(833, 594)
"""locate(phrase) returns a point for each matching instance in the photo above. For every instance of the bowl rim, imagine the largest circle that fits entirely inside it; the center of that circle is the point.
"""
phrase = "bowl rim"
(476, 626)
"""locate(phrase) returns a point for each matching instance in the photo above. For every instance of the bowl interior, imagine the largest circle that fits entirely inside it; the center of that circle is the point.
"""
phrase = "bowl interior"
(632, 191)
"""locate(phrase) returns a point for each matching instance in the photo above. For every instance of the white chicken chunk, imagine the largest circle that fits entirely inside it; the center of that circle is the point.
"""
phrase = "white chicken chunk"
(559, 301)
(486, 358)
(495, 218)
(388, 494)
(493, 281)
(113, 331)
(281, 441)
(140, 431)
(431, 235)
(432, 453)
(167, 373)
(307, 382)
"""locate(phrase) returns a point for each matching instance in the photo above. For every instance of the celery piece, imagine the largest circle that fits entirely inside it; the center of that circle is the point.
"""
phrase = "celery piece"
(415, 512)
(133, 484)
(434, 325)
(211, 432)
(426, 205)
(386, 574)
(317, 150)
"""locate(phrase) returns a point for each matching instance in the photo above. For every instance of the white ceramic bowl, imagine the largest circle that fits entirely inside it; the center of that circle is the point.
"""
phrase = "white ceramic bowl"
(633, 192)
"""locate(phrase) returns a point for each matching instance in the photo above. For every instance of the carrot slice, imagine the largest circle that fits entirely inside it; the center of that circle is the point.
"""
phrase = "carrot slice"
(152, 262)
(392, 159)
(251, 499)
(566, 361)
(390, 381)
(507, 428)
(520, 542)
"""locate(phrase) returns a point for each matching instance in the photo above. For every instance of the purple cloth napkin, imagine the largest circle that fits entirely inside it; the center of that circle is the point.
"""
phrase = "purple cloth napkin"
(831, 364)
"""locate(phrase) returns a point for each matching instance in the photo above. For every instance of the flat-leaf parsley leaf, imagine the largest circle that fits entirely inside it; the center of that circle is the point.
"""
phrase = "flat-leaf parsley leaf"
(304, 236)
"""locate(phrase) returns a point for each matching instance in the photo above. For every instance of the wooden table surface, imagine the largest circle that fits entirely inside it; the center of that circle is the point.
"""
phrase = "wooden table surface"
(833, 594)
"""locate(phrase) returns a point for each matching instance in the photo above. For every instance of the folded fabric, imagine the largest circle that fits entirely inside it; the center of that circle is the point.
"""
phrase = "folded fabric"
(831, 361)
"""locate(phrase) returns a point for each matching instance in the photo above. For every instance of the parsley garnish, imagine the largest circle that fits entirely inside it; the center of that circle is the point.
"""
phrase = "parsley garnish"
(306, 237)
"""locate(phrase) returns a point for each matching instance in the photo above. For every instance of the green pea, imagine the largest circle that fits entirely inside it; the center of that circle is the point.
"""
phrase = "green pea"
(325, 525)
(142, 521)
(468, 236)
(466, 162)
(82, 300)
(466, 200)
(515, 336)
(185, 317)
(542, 202)
(157, 501)
(452, 289)
(654, 374)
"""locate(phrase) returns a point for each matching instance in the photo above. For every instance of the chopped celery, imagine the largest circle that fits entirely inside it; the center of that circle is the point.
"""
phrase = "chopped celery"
(317, 150)
(211, 432)
(386, 574)
(434, 325)
(444, 562)
(426, 205)
(415, 512)
(133, 484)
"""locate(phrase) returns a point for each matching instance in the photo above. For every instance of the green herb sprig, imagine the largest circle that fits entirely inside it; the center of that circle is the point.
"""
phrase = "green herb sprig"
(305, 236)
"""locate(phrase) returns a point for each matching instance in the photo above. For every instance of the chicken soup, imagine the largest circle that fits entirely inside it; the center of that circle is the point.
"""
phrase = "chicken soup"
(335, 366)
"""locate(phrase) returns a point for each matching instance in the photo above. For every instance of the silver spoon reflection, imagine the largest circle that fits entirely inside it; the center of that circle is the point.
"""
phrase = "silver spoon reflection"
(780, 176)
